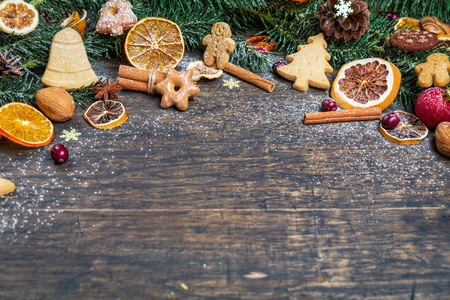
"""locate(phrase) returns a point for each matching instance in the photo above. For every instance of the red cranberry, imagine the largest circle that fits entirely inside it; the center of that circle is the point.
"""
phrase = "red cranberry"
(329, 105)
(262, 49)
(59, 153)
(392, 15)
(278, 64)
(390, 120)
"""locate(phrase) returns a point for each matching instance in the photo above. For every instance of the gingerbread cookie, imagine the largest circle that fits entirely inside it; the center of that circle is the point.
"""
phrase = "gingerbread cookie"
(176, 89)
(414, 40)
(434, 25)
(219, 45)
(309, 65)
(115, 17)
(434, 70)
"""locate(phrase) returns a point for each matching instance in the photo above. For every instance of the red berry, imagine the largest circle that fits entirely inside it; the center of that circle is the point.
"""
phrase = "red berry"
(59, 153)
(390, 120)
(278, 64)
(432, 108)
(392, 15)
(262, 49)
(329, 105)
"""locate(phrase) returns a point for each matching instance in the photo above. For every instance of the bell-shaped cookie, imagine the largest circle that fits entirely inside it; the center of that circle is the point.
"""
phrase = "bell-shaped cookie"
(68, 66)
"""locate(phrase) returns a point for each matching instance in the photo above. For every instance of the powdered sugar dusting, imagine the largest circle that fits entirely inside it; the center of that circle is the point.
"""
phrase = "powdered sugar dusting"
(288, 157)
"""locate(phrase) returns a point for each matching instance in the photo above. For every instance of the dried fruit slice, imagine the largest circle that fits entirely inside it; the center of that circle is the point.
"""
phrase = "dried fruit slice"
(77, 23)
(18, 17)
(370, 82)
(200, 70)
(407, 23)
(154, 43)
(261, 41)
(25, 125)
(410, 130)
(444, 39)
(106, 114)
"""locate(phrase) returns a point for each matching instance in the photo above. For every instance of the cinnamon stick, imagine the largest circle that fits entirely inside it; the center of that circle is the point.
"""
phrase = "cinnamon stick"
(249, 77)
(361, 114)
(133, 85)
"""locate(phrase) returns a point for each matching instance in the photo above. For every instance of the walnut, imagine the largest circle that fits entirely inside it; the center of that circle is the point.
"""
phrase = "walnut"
(57, 104)
(442, 134)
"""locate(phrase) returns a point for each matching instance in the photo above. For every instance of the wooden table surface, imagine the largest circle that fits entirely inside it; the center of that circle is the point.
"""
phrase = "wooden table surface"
(234, 198)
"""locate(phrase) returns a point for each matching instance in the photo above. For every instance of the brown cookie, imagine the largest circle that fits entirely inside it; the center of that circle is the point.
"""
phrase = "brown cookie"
(434, 71)
(308, 65)
(434, 25)
(219, 45)
(414, 40)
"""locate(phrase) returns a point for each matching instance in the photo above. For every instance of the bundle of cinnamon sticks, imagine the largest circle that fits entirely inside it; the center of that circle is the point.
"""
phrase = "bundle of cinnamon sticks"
(134, 79)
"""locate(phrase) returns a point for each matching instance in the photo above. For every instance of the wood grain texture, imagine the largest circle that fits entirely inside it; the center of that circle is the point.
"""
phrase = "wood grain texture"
(235, 186)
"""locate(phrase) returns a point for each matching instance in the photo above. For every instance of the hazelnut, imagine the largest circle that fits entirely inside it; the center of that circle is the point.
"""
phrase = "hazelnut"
(442, 134)
(57, 104)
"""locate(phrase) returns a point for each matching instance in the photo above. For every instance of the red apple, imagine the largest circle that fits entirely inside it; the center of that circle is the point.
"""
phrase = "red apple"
(433, 106)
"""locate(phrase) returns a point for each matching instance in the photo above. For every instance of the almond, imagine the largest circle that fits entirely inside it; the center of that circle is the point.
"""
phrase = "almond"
(6, 186)
(57, 104)
(442, 134)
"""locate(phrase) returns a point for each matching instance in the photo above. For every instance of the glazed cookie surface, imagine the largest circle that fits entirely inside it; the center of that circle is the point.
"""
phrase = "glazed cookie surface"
(414, 40)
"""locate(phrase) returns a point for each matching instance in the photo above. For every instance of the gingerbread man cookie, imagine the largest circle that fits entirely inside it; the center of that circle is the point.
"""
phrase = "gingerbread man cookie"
(219, 45)
(176, 89)
(434, 70)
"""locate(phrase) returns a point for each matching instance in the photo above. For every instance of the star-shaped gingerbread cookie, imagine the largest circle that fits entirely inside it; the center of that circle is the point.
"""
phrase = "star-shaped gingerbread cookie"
(177, 88)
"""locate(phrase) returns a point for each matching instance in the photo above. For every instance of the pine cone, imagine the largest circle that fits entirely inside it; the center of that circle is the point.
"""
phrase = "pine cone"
(352, 27)
(9, 65)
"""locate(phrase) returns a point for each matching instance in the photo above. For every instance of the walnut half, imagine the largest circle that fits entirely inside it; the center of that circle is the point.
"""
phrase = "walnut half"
(442, 134)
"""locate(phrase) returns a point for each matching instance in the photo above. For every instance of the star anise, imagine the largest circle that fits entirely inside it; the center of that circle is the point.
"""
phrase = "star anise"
(9, 65)
(106, 90)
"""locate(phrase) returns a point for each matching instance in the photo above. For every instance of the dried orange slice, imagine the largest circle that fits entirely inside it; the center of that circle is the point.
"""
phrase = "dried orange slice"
(407, 23)
(444, 39)
(200, 70)
(106, 114)
(409, 131)
(154, 43)
(370, 82)
(261, 41)
(18, 17)
(25, 125)
(77, 23)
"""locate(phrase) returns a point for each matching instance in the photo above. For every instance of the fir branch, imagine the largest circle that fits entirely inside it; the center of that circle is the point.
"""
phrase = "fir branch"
(412, 8)
(20, 89)
(249, 58)
(83, 96)
(406, 62)
(371, 44)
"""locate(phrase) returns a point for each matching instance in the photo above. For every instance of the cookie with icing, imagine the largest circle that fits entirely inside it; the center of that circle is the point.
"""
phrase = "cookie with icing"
(414, 40)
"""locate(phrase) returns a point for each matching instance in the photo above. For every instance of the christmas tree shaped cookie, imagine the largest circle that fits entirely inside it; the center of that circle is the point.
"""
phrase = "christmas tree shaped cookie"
(308, 65)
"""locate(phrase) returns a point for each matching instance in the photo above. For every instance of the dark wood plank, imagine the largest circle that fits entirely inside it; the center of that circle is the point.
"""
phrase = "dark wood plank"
(327, 253)
(234, 185)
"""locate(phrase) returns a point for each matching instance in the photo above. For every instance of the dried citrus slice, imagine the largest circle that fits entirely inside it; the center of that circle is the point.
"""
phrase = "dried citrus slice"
(407, 23)
(18, 17)
(370, 82)
(77, 23)
(106, 114)
(410, 130)
(154, 43)
(25, 125)
(444, 39)
(262, 41)
(200, 70)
